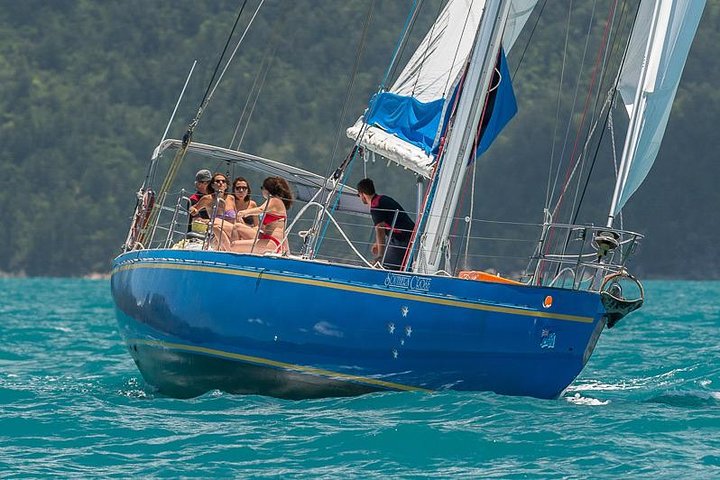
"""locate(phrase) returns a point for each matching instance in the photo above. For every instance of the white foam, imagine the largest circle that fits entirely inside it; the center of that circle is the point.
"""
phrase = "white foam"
(578, 399)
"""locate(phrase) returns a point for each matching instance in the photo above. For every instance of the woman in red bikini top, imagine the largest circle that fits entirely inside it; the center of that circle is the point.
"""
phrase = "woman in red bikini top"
(270, 235)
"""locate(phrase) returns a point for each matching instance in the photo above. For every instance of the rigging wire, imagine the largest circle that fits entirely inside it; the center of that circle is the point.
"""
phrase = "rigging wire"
(415, 243)
(392, 68)
(608, 119)
(573, 159)
(234, 52)
(342, 171)
(429, 191)
(180, 154)
(402, 42)
(530, 37)
(351, 84)
(217, 65)
(595, 118)
(616, 169)
(250, 97)
(351, 156)
(260, 79)
(548, 194)
(448, 80)
(572, 110)
(470, 214)
(257, 96)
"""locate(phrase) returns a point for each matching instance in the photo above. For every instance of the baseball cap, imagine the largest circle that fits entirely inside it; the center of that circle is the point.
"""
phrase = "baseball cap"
(203, 175)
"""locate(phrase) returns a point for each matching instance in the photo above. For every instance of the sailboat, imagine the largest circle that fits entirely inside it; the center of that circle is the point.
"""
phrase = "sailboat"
(295, 324)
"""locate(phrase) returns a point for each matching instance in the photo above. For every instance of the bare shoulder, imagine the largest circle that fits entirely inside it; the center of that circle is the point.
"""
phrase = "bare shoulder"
(276, 203)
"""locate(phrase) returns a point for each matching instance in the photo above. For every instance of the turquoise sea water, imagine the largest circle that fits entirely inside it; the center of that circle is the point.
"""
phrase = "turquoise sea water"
(72, 405)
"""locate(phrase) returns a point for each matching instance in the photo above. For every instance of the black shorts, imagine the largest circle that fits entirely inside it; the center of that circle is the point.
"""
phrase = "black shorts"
(394, 254)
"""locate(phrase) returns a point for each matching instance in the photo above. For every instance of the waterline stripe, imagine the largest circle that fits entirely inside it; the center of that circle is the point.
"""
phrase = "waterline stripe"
(352, 288)
(274, 363)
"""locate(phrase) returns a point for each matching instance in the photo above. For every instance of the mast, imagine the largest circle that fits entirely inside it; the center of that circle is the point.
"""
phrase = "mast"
(661, 10)
(460, 142)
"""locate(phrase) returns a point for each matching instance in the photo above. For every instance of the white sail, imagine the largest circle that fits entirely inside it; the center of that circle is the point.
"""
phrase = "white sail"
(441, 54)
(432, 71)
(660, 43)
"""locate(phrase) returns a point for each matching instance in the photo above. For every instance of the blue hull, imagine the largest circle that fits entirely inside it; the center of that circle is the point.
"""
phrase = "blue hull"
(199, 320)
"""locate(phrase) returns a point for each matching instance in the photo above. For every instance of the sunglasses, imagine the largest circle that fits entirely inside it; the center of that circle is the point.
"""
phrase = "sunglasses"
(218, 180)
(241, 189)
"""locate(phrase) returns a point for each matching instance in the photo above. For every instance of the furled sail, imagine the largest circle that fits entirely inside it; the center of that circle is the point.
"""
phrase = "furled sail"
(659, 46)
(404, 123)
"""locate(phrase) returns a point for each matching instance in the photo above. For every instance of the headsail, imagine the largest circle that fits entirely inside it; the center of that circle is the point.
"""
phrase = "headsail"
(404, 123)
(659, 46)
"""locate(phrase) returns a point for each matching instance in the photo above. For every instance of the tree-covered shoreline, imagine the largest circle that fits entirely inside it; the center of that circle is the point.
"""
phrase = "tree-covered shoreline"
(87, 88)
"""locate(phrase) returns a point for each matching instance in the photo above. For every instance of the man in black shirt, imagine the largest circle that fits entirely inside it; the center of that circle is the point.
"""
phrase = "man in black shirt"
(391, 221)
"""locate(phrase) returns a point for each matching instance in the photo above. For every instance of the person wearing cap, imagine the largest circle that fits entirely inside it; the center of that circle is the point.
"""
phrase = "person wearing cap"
(202, 181)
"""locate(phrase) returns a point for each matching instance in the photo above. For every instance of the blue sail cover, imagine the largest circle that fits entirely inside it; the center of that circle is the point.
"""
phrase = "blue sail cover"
(407, 118)
(417, 122)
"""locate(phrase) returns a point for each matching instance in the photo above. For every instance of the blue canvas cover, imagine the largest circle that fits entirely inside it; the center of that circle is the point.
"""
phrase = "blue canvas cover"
(417, 122)
(407, 118)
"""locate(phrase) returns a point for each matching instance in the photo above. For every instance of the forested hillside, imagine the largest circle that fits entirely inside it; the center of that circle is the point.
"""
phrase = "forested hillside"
(87, 87)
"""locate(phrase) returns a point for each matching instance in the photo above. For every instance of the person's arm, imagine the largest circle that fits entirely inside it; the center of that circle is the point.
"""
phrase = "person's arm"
(255, 220)
(377, 247)
(273, 202)
(202, 203)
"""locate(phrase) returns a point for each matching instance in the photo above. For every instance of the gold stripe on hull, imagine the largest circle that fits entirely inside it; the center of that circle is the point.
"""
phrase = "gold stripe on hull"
(357, 289)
